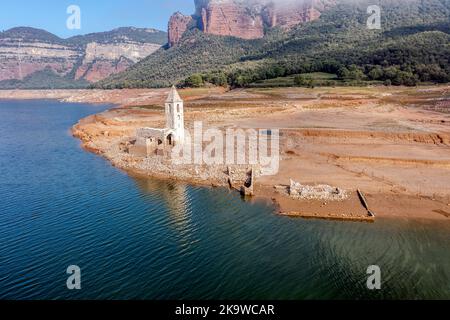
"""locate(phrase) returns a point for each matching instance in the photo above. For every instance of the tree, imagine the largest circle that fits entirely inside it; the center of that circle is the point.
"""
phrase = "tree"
(405, 78)
(376, 73)
(301, 80)
(355, 73)
(219, 79)
(343, 73)
(242, 81)
(194, 81)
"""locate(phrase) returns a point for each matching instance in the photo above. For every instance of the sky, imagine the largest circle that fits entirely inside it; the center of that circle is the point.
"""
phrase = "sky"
(96, 15)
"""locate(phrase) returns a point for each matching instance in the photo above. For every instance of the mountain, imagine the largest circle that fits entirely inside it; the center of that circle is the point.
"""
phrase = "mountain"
(412, 46)
(246, 19)
(34, 58)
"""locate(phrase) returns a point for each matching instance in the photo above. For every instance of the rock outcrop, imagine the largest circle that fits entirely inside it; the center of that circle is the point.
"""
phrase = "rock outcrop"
(246, 19)
(178, 25)
(102, 60)
(19, 59)
(291, 13)
(231, 18)
(26, 51)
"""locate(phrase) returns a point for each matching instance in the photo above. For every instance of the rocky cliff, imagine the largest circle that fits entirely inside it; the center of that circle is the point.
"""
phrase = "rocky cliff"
(27, 51)
(102, 60)
(246, 19)
(242, 19)
(178, 24)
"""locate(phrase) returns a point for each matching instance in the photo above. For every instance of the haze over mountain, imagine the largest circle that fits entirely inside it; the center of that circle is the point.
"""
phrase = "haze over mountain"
(34, 58)
(234, 40)
(246, 19)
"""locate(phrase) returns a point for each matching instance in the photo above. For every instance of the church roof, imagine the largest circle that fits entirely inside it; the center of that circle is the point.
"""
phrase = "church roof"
(173, 95)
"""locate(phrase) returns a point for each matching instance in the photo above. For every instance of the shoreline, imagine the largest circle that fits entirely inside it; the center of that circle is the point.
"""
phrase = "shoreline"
(353, 138)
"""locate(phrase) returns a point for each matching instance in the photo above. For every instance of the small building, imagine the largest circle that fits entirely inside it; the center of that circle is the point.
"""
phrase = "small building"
(155, 141)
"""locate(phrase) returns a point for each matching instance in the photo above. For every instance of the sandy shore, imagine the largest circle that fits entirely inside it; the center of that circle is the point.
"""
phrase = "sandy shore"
(391, 143)
(126, 97)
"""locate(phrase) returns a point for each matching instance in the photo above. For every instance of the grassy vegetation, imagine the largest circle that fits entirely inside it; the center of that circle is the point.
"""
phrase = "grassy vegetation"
(152, 107)
(197, 52)
(118, 35)
(318, 78)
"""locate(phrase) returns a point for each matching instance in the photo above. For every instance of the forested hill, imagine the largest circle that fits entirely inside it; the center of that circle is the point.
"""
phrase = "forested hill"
(413, 45)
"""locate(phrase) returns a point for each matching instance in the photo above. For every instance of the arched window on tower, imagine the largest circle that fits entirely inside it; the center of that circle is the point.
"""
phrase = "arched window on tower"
(178, 108)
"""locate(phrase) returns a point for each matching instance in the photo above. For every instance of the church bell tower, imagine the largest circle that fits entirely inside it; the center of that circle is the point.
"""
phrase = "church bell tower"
(175, 115)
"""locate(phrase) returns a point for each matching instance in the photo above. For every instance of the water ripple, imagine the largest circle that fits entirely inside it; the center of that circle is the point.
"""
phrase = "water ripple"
(137, 238)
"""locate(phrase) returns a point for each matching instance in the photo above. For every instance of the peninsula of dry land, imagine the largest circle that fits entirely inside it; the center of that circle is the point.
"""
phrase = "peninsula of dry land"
(393, 143)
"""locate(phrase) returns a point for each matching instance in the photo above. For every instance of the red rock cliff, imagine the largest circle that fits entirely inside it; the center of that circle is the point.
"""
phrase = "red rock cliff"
(231, 18)
(247, 19)
(178, 24)
(288, 14)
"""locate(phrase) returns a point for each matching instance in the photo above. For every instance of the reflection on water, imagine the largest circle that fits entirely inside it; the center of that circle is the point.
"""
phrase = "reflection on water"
(175, 197)
(306, 259)
(141, 238)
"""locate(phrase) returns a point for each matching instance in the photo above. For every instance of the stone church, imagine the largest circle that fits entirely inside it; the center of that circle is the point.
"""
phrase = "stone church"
(155, 141)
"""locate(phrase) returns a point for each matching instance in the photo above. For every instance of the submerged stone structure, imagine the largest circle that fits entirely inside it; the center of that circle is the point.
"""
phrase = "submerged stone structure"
(156, 141)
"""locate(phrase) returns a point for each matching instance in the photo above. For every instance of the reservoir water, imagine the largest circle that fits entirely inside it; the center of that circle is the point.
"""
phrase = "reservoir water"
(136, 238)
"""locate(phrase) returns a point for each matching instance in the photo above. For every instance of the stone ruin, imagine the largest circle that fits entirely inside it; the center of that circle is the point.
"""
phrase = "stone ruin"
(151, 142)
(157, 141)
(320, 192)
(242, 179)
